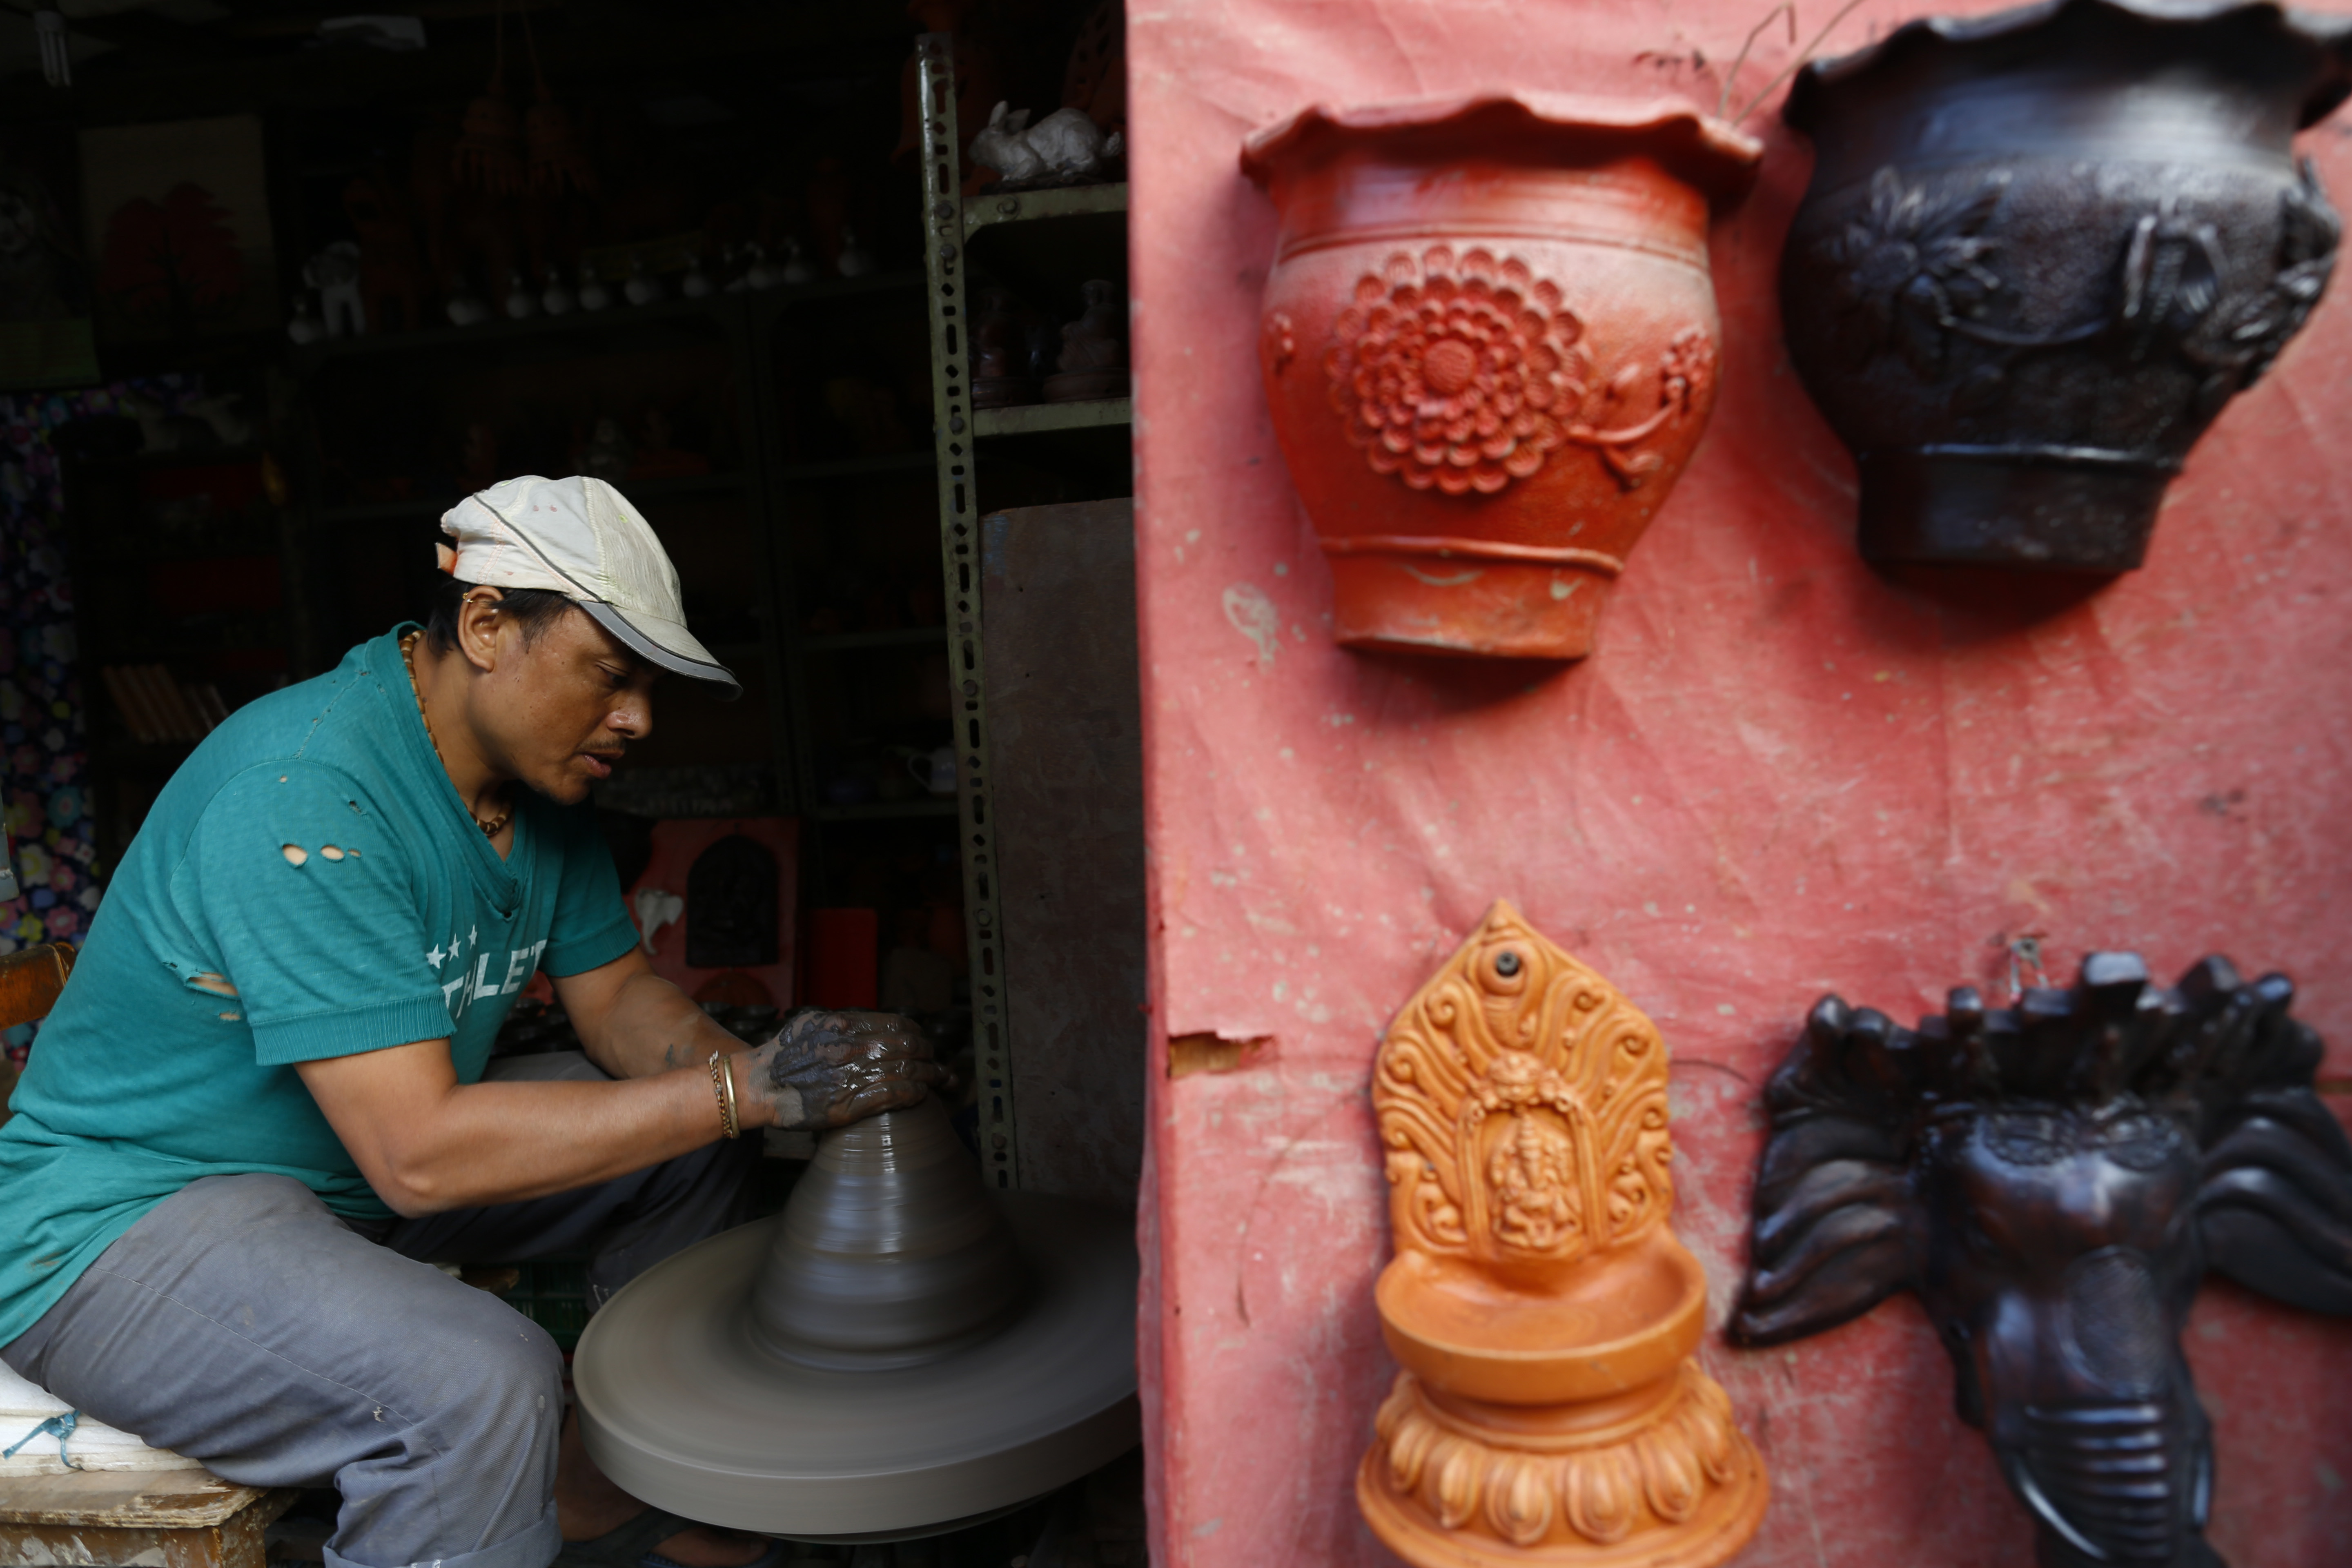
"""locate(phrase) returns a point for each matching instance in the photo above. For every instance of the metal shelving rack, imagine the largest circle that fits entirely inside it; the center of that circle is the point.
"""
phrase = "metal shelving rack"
(950, 226)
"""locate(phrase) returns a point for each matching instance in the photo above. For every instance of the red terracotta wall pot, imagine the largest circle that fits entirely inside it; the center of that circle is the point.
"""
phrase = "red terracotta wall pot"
(1490, 345)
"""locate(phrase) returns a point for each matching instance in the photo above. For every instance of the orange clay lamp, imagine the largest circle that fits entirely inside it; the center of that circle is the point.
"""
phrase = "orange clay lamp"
(1550, 1410)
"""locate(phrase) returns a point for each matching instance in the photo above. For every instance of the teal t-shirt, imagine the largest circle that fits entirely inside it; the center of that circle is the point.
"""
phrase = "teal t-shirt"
(313, 856)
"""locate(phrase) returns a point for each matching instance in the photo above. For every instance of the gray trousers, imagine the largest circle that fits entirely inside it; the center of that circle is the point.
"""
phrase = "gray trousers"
(242, 1324)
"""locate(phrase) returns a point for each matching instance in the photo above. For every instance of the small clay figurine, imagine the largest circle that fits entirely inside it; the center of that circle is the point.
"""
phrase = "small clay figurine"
(161, 430)
(657, 455)
(391, 266)
(1094, 349)
(465, 308)
(867, 412)
(557, 298)
(478, 456)
(1063, 148)
(796, 268)
(762, 274)
(999, 357)
(1095, 78)
(853, 261)
(225, 413)
(593, 295)
(521, 304)
(696, 284)
(306, 327)
(334, 272)
(642, 287)
(608, 452)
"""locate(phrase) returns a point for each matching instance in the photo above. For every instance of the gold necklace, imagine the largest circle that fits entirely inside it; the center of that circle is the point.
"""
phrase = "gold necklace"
(408, 657)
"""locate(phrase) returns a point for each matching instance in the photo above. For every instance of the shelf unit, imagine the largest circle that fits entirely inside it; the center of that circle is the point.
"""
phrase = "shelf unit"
(742, 327)
(188, 561)
(1006, 237)
(379, 547)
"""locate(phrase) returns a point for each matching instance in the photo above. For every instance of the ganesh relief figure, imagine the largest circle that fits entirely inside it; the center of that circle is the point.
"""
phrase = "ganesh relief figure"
(2052, 1181)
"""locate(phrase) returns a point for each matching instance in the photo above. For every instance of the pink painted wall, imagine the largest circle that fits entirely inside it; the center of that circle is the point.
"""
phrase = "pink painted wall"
(1781, 775)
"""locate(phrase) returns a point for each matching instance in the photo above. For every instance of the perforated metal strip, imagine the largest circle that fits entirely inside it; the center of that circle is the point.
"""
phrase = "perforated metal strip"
(960, 560)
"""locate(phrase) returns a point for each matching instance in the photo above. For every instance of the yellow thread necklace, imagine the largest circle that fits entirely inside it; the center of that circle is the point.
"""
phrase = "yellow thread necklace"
(408, 657)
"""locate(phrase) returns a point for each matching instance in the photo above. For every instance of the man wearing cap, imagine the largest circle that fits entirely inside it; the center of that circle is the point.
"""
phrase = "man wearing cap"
(261, 1099)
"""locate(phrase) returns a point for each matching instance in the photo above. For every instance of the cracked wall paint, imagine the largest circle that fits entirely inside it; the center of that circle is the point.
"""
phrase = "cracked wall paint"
(1782, 775)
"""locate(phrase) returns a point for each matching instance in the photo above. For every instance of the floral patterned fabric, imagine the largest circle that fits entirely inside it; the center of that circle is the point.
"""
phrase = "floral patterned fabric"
(43, 749)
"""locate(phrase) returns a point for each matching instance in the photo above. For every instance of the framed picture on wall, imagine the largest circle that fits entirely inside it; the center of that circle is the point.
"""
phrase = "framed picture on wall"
(45, 303)
(177, 225)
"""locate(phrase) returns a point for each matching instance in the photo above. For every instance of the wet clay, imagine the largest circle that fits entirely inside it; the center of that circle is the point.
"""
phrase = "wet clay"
(899, 1351)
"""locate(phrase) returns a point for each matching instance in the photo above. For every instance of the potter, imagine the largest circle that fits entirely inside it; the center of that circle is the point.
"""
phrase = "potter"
(266, 1099)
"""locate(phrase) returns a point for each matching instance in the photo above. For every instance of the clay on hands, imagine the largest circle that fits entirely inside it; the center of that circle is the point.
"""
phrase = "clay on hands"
(828, 1068)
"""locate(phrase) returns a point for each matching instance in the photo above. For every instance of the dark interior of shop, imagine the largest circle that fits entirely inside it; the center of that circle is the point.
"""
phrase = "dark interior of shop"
(336, 273)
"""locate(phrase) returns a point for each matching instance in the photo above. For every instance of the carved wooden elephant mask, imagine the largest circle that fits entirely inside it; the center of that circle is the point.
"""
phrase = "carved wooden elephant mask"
(2053, 1181)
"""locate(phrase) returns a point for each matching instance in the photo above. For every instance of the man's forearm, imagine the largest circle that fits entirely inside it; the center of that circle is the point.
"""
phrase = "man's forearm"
(501, 1143)
(651, 1026)
(427, 1142)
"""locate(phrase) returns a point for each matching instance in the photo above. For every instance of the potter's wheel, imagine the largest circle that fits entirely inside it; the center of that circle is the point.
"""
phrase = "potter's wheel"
(899, 1351)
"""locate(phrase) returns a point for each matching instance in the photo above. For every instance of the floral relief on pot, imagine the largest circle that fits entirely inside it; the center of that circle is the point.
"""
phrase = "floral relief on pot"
(1466, 374)
(2041, 250)
(1548, 1411)
(1490, 346)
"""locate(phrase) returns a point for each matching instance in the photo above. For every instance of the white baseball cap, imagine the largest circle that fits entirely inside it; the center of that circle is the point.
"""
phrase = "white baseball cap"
(581, 538)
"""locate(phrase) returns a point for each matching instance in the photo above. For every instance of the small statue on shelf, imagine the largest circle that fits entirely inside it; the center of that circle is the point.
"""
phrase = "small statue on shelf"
(1095, 78)
(853, 261)
(306, 327)
(1065, 148)
(593, 295)
(391, 268)
(608, 453)
(1094, 349)
(641, 287)
(998, 356)
(868, 414)
(334, 272)
(465, 308)
(796, 268)
(478, 456)
(521, 304)
(657, 455)
(557, 298)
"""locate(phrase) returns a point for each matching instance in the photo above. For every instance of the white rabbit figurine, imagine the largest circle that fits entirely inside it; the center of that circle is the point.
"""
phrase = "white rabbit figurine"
(1066, 142)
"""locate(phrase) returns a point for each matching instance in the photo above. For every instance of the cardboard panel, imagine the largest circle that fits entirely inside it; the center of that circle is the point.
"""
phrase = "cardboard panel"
(1058, 586)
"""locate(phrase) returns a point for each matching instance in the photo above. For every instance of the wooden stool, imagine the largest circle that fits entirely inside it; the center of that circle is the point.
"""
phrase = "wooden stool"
(135, 1519)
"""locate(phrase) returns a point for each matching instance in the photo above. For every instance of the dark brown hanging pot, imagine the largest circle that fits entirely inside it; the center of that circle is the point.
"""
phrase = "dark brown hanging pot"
(2040, 252)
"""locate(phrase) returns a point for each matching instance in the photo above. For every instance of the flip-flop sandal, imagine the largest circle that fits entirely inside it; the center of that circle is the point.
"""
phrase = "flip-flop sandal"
(631, 1545)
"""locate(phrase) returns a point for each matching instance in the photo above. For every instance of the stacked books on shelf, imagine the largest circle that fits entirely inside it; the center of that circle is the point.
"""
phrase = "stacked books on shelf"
(159, 708)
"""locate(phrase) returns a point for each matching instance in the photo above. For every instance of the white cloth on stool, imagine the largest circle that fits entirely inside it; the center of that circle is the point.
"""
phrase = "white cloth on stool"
(94, 1445)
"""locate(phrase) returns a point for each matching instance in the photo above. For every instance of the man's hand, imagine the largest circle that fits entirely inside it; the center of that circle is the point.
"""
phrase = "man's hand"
(828, 1068)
